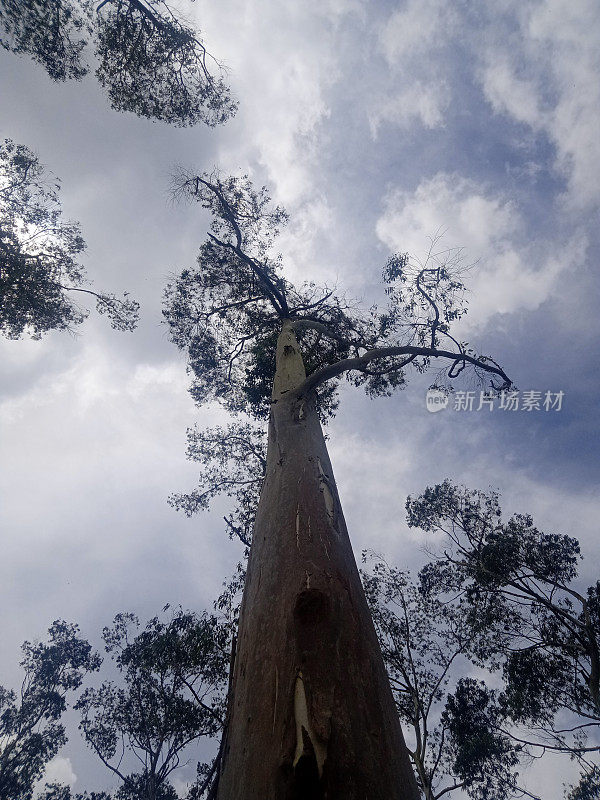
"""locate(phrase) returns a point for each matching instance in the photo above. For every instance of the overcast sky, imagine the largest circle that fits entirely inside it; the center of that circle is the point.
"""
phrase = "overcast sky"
(376, 124)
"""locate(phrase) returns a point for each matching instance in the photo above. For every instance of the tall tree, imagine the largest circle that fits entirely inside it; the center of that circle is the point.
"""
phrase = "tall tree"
(311, 712)
(551, 664)
(30, 731)
(149, 60)
(174, 674)
(40, 274)
(429, 640)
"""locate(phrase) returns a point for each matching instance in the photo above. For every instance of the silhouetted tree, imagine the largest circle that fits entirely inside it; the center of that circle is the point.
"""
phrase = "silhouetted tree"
(174, 676)
(429, 641)
(149, 60)
(550, 666)
(133, 791)
(40, 273)
(588, 787)
(311, 711)
(30, 731)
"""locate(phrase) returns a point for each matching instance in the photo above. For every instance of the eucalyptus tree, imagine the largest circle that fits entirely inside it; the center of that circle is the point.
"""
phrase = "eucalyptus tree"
(455, 723)
(148, 58)
(588, 787)
(40, 273)
(551, 664)
(172, 694)
(311, 711)
(30, 729)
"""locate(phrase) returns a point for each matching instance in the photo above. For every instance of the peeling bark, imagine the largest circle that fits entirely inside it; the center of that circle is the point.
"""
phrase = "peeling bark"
(311, 712)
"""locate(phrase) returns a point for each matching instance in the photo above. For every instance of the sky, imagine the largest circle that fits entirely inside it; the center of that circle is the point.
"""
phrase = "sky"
(377, 125)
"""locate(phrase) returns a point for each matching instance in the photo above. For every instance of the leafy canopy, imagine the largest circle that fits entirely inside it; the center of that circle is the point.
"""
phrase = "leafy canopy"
(233, 461)
(39, 255)
(149, 60)
(453, 724)
(228, 312)
(30, 731)
(551, 665)
(172, 693)
(57, 791)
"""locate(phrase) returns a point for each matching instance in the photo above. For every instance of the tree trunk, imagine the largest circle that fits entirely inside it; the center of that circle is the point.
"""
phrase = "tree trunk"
(311, 712)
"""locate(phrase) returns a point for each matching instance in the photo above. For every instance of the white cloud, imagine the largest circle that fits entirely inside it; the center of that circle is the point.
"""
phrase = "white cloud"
(59, 770)
(511, 274)
(299, 242)
(146, 378)
(422, 102)
(416, 29)
(92, 381)
(537, 63)
(547, 77)
(282, 62)
(415, 90)
(511, 94)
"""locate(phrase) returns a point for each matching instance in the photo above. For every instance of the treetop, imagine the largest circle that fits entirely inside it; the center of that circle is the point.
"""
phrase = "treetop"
(228, 311)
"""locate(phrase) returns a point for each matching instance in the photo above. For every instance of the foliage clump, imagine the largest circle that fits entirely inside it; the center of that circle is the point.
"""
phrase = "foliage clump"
(39, 255)
(30, 729)
(149, 60)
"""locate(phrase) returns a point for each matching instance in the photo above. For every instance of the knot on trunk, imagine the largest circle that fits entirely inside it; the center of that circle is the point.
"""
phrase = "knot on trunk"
(312, 607)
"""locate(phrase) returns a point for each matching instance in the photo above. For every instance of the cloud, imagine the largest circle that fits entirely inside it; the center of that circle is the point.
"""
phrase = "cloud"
(416, 29)
(282, 62)
(511, 94)
(512, 273)
(545, 75)
(535, 63)
(413, 42)
(421, 102)
(59, 770)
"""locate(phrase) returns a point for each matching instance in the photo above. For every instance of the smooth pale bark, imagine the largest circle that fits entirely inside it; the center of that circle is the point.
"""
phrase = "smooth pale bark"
(311, 711)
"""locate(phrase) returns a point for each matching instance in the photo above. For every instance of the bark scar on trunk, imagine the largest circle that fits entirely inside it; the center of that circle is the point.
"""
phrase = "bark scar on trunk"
(276, 696)
(298, 526)
(308, 745)
(328, 495)
(290, 372)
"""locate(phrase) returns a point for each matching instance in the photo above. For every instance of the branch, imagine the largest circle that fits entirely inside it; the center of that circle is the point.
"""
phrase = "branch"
(450, 789)
(237, 531)
(310, 324)
(202, 705)
(277, 299)
(275, 295)
(306, 306)
(329, 371)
